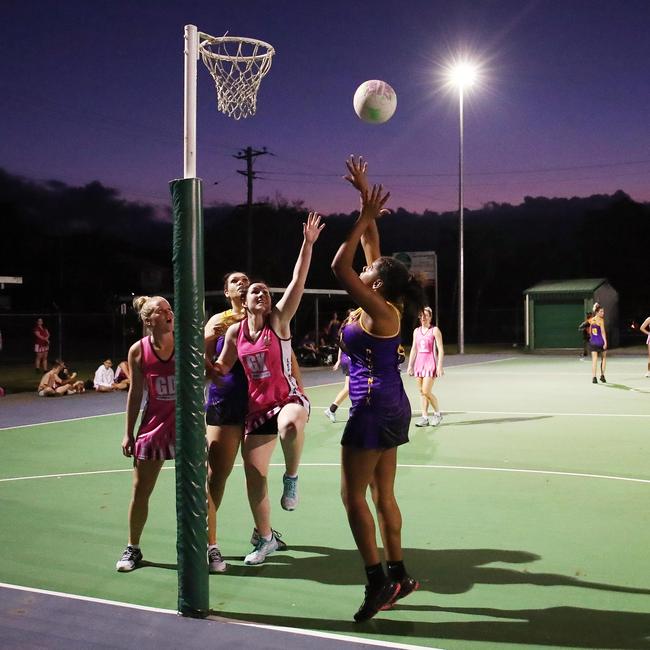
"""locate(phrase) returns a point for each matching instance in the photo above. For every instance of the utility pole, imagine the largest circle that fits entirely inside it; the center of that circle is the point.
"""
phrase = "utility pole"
(249, 154)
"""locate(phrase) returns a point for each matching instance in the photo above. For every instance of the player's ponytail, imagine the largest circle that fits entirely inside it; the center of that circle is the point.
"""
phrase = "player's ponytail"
(401, 287)
(144, 306)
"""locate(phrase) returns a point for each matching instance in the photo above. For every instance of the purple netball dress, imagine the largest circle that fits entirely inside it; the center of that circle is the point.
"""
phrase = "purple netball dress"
(381, 412)
(226, 401)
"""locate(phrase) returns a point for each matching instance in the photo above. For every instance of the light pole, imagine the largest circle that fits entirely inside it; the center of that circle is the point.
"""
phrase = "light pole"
(461, 75)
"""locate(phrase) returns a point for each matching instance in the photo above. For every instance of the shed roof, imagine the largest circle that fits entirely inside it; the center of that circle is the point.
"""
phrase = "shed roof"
(580, 285)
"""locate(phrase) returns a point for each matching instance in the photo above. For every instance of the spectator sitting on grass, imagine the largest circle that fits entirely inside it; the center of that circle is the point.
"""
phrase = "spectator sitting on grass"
(51, 385)
(104, 379)
(122, 378)
(69, 377)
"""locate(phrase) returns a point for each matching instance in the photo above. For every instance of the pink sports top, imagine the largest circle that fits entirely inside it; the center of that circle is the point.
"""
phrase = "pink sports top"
(158, 424)
(267, 364)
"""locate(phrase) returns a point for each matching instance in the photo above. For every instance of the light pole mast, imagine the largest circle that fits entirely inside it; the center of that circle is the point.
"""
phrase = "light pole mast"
(461, 233)
(461, 75)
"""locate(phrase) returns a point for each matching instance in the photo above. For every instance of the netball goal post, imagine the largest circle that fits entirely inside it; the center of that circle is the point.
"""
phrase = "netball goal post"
(237, 66)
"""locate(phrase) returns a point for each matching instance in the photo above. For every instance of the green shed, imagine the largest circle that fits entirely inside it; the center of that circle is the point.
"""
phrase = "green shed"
(554, 309)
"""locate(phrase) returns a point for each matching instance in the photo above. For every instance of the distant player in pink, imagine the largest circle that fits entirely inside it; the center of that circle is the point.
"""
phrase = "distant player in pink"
(645, 329)
(425, 363)
(152, 365)
(276, 405)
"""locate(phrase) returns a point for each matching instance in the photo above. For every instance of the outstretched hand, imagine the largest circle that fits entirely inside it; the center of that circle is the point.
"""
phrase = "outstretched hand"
(357, 175)
(373, 201)
(312, 228)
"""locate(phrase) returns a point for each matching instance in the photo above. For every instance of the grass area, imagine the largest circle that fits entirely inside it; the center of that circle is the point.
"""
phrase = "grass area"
(23, 378)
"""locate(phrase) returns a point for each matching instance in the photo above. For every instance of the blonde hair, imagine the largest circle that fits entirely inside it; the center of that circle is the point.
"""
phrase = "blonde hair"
(144, 306)
(597, 306)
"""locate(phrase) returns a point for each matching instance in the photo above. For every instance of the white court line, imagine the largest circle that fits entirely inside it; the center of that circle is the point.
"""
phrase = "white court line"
(399, 465)
(454, 367)
(88, 417)
(534, 413)
(546, 413)
(229, 621)
(39, 424)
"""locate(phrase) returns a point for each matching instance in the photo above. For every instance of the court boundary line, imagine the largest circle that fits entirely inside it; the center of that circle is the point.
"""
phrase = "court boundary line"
(218, 619)
(314, 406)
(478, 468)
(82, 417)
(577, 415)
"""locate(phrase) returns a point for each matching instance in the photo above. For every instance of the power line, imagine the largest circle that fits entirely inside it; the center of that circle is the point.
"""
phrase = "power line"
(479, 173)
(249, 155)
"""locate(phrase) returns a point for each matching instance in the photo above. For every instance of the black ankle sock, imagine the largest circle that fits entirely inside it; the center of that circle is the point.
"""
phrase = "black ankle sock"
(375, 574)
(396, 570)
(333, 407)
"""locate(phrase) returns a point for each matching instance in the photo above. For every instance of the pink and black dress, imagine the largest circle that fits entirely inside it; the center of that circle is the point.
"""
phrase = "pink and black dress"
(381, 413)
(267, 364)
(156, 437)
(426, 359)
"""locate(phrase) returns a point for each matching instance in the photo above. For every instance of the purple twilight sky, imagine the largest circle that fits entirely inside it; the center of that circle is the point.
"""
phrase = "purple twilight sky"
(94, 91)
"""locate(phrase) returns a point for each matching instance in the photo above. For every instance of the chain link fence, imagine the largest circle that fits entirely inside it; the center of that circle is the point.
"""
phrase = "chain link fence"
(73, 337)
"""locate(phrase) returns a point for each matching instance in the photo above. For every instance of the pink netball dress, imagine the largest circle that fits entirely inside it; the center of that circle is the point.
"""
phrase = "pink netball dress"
(267, 364)
(156, 438)
(426, 359)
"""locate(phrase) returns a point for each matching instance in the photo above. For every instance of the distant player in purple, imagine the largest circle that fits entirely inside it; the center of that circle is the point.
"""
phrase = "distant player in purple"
(342, 362)
(380, 414)
(597, 342)
(152, 365)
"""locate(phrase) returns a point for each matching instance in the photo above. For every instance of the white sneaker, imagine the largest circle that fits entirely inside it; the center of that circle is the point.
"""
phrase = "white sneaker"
(289, 499)
(330, 415)
(647, 374)
(216, 563)
(255, 539)
(435, 419)
(129, 560)
(422, 422)
(264, 547)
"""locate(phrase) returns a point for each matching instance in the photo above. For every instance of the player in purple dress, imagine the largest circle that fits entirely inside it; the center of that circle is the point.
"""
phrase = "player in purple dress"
(342, 362)
(380, 414)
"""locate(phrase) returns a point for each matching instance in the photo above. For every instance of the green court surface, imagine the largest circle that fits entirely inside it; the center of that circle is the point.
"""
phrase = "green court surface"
(525, 516)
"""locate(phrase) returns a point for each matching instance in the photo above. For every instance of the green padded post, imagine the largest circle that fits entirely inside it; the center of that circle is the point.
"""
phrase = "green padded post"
(191, 505)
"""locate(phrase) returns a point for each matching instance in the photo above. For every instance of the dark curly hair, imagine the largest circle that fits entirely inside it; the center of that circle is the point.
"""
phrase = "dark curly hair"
(402, 287)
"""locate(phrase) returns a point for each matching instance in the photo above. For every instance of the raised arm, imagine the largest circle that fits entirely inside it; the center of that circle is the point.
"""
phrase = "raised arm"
(358, 177)
(287, 306)
(380, 313)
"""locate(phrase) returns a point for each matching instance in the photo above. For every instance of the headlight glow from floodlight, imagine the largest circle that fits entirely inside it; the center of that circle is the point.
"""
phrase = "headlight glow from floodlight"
(463, 74)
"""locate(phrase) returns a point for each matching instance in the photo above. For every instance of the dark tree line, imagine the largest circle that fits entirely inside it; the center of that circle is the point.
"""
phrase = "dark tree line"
(80, 248)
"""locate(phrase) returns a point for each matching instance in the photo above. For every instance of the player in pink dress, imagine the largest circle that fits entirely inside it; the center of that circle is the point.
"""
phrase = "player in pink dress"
(276, 405)
(152, 365)
(645, 329)
(41, 345)
(425, 363)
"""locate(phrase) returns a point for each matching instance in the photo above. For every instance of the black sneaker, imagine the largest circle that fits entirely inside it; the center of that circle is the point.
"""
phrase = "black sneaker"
(376, 598)
(407, 586)
(602, 378)
(594, 381)
(130, 559)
